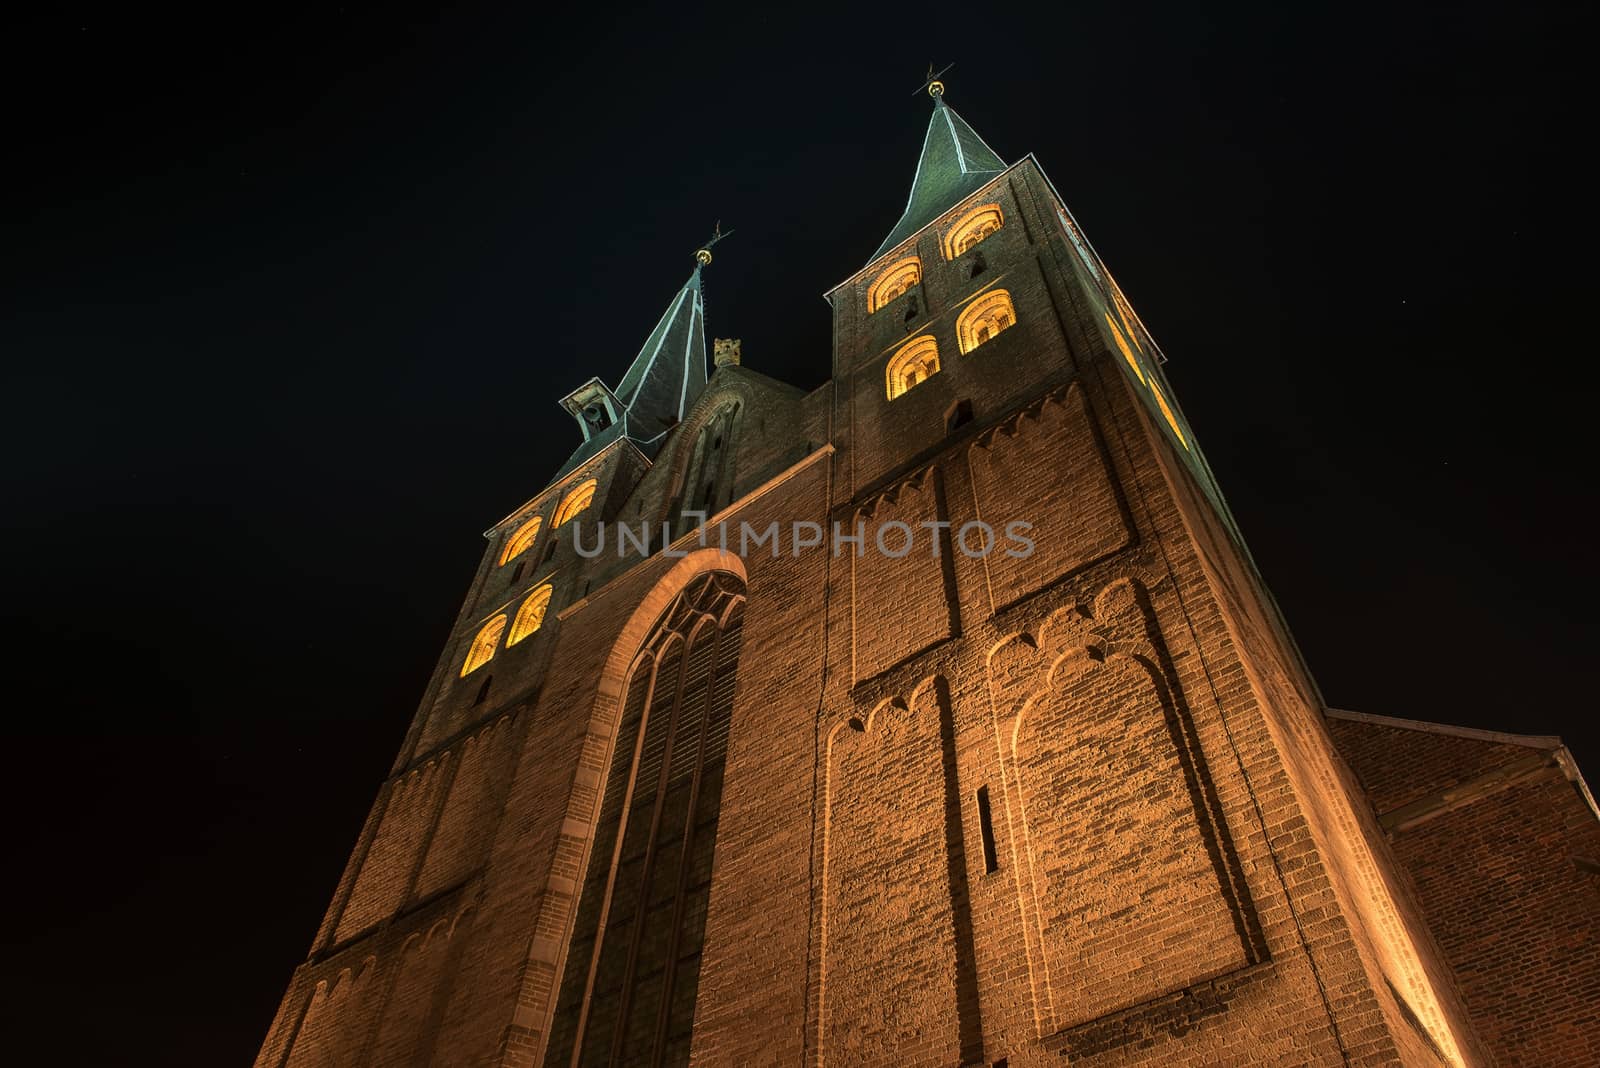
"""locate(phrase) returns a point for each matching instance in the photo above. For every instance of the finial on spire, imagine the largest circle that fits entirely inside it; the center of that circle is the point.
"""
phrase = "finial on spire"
(702, 256)
(934, 87)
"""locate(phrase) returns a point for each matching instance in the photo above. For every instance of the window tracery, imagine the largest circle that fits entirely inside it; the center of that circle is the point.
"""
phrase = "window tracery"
(915, 362)
(984, 318)
(577, 499)
(531, 615)
(971, 229)
(484, 645)
(896, 279)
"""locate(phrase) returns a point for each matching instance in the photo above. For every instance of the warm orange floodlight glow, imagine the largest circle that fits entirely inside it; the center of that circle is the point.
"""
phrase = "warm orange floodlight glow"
(1172, 420)
(917, 361)
(895, 280)
(530, 616)
(576, 500)
(972, 228)
(521, 541)
(1122, 346)
(984, 318)
(484, 645)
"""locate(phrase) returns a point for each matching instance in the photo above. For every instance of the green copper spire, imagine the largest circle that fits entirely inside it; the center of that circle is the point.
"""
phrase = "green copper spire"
(955, 163)
(659, 387)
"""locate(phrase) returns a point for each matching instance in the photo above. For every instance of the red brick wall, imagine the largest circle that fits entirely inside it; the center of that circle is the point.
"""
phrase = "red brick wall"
(1518, 920)
(889, 971)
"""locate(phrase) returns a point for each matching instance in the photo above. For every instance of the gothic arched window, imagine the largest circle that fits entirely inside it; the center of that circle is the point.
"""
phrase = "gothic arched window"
(984, 318)
(895, 280)
(628, 990)
(915, 362)
(530, 616)
(706, 484)
(576, 500)
(484, 645)
(521, 541)
(966, 232)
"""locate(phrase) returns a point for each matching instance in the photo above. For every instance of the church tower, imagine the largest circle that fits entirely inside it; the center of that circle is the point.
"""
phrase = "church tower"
(935, 717)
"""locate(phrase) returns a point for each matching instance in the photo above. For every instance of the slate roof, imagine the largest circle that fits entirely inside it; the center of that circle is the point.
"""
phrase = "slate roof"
(661, 384)
(955, 163)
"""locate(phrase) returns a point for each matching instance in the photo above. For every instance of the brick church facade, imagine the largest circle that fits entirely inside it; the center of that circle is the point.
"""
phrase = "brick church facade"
(934, 717)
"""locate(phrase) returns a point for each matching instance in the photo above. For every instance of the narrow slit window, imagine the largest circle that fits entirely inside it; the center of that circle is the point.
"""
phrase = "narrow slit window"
(991, 859)
(959, 415)
(483, 691)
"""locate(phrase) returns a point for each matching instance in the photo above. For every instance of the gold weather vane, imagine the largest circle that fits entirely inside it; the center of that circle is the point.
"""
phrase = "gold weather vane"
(702, 256)
(932, 84)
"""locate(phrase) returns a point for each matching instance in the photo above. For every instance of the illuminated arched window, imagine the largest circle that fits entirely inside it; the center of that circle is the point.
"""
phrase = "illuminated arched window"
(576, 500)
(530, 616)
(972, 228)
(484, 645)
(916, 362)
(521, 541)
(895, 280)
(1172, 420)
(984, 318)
(1123, 347)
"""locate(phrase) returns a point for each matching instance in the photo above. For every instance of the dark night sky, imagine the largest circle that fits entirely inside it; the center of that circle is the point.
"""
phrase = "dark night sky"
(288, 300)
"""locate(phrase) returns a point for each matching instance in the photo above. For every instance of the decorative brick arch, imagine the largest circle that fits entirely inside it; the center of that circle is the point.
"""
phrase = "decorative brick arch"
(731, 398)
(526, 1036)
(1086, 697)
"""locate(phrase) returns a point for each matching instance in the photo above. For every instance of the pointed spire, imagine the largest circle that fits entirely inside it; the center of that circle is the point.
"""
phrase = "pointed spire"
(955, 163)
(659, 387)
(670, 370)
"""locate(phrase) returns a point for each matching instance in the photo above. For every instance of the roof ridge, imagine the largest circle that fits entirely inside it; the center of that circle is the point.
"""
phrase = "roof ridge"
(1528, 741)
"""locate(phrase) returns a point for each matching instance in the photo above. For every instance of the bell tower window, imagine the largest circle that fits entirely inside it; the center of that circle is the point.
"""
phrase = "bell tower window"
(1122, 347)
(972, 228)
(576, 500)
(593, 406)
(984, 318)
(896, 279)
(484, 645)
(915, 362)
(521, 541)
(530, 617)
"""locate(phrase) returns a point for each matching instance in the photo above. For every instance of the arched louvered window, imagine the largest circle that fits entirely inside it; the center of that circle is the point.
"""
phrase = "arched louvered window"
(914, 363)
(662, 797)
(521, 541)
(577, 499)
(706, 484)
(484, 645)
(966, 232)
(985, 317)
(894, 281)
(531, 615)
